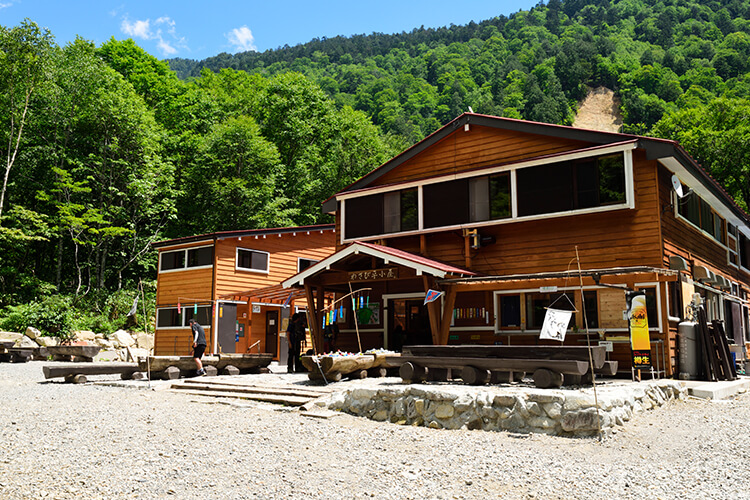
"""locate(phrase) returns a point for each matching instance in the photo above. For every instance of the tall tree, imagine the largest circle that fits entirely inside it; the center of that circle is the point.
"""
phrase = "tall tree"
(24, 58)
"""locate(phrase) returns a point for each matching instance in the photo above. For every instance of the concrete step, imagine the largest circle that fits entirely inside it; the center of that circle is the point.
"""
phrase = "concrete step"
(717, 390)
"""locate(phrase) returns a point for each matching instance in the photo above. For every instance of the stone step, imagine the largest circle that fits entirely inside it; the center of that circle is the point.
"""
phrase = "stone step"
(264, 397)
(221, 386)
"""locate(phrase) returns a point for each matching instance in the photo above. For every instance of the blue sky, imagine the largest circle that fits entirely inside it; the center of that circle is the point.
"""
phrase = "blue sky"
(196, 30)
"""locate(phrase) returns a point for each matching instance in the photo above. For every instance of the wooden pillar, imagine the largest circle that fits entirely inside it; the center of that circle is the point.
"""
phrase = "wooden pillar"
(313, 318)
(448, 305)
(320, 303)
(433, 309)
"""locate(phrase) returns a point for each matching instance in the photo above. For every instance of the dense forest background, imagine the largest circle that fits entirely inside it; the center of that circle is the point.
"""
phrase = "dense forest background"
(107, 149)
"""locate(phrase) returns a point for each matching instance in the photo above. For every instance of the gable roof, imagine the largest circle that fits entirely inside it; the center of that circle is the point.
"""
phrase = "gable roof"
(243, 233)
(655, 148)
(388, 254)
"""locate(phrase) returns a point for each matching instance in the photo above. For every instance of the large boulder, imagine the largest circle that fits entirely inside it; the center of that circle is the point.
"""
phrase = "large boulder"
(104, 343)
(33, 333)
(27, 342)
(145, 340)
(48, 341)
(121, 338)
(15, 337)
(85, 336)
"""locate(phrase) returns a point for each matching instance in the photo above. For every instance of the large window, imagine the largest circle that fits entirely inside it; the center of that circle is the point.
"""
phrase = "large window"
(581, 184)
(573, 185)
(172, 317)
(526, 311)
(186, 258)
(699, 213)
(252, 260)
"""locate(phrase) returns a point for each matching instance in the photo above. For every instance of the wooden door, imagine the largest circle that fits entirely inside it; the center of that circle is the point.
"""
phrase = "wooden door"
(272, 332)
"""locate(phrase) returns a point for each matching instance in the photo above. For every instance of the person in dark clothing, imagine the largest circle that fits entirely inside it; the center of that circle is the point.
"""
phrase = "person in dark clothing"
(295, 336)
(291, 342)
(199, 345)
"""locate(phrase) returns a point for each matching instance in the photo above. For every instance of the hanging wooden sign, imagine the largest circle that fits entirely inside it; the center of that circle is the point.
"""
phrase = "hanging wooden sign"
(374, 274)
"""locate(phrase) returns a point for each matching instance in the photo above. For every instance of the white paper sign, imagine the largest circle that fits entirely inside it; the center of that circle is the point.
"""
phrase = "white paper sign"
(555, 324)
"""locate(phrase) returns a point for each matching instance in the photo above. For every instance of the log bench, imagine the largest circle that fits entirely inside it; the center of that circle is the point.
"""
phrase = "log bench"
(577, 353)
(75, 353)
(16, 354)
(476, 371)
(76, 372)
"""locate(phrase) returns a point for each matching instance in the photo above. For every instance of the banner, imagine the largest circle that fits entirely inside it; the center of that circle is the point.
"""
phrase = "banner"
(555, 324)
(640, 343)
(432, 296)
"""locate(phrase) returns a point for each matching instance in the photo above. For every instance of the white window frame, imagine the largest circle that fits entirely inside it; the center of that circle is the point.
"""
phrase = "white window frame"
(249, 269)
(629, 203)
(182, 317)
(185, 266)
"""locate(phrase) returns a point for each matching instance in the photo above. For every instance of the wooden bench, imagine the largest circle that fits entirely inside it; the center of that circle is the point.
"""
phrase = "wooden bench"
(550, 365)
(76, 372)
(16, 354)
(76, 353)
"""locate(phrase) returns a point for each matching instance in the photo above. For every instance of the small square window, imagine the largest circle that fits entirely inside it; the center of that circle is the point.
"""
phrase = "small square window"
(252, 260)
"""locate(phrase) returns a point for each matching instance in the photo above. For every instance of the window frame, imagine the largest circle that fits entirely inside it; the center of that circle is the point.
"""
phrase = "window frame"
(299, 261)
(237, 266)
(183, 317)
(629, 202)
(185, 260)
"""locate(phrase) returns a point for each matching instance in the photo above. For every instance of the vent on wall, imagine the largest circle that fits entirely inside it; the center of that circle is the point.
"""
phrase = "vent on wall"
(704, 275)
(678, 263)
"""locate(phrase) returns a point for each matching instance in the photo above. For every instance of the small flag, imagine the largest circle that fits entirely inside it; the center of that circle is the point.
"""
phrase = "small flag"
(135, 306)
(432, 296)
(195, 308)
(288, 299)
(179, 308)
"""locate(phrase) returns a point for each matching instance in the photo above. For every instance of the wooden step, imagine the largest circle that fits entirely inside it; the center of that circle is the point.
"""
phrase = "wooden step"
(219, 387)
(263, 397)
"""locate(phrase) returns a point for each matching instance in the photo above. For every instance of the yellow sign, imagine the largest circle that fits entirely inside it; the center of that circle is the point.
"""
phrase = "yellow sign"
(640, 343)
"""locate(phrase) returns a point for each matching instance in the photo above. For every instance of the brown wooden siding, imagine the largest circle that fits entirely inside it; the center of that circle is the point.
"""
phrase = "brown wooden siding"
(480, 147)
(183, 286)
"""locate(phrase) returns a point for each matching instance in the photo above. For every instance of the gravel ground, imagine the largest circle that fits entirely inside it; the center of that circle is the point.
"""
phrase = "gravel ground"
(90, 441)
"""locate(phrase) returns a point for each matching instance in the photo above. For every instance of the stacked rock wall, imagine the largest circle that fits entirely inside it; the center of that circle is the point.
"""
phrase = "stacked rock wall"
(558, 412)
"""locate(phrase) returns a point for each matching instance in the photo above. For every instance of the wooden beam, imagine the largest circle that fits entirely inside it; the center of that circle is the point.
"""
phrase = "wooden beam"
(320, 303)
(445, 326)
(433, 309)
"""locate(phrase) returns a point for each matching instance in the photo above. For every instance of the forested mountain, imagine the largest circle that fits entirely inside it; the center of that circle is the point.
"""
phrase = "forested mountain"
(105, 149)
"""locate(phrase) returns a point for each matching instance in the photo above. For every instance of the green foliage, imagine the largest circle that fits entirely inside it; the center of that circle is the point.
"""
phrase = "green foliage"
(52, 316)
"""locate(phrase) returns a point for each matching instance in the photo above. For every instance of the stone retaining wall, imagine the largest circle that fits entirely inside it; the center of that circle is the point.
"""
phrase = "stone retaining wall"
(559, 412)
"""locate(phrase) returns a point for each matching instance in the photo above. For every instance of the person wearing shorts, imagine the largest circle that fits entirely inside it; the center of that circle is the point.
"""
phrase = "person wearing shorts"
(199, 345)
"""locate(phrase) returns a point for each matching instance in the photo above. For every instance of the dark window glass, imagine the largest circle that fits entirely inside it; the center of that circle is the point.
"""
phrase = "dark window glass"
(446, 203)
(744, 251)
(510, 310)
(592, 309)
(200, 257)
(409, 210)
(707, 221)
(500, 196)
(364, 216)
(203, 317)
(690, 208)
(611, 179)
(172, 260)
(545, 189)
(674, 288)
(168, 317)
(250, 259)
(587, 184)
(303, 264)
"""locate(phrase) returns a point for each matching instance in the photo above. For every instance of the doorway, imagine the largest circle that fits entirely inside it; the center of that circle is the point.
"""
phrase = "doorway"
(272, 331)
(408, 323)
(227, 327)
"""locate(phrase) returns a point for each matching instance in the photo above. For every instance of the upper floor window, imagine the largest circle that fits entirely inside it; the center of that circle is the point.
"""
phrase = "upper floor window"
(186, 258)
(698, 212)
(252, 260)
(571, 185)
(578, 184)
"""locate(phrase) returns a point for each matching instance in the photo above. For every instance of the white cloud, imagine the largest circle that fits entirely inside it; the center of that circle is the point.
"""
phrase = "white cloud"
(169, 43)
(140, 29)
(4, 5)
(242, 39)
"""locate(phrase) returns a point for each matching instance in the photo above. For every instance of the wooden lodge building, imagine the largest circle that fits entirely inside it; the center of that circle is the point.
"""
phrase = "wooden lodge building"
(229, 281)
(498, 213)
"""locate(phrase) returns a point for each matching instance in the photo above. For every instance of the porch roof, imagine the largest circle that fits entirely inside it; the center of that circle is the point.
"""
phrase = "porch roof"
(421, 265)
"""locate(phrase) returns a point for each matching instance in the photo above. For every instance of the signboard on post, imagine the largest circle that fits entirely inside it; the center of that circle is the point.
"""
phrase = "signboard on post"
(640, 343)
